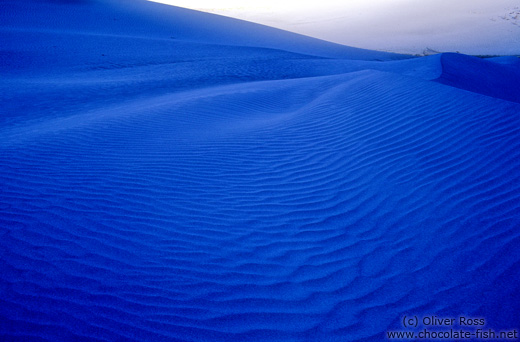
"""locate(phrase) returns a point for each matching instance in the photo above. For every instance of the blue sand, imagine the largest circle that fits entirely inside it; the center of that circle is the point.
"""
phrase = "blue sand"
(170, 175)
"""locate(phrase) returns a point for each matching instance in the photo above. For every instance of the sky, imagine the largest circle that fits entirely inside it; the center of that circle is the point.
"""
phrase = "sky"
(486, 27)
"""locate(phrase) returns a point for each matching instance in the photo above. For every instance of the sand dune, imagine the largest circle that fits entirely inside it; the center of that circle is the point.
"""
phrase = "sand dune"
(500, 80)
(215, 188)
(143, 19)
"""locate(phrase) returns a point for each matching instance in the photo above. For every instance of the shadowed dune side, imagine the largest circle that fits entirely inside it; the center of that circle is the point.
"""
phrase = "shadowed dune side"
(310, 209)
(508, 60)
(500, 80)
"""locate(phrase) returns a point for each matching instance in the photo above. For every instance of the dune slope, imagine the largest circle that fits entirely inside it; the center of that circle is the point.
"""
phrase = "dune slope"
(496, 79)
(143, 19)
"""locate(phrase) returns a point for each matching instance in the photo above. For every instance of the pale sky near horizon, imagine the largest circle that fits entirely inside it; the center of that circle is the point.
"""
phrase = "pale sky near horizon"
(406, 26)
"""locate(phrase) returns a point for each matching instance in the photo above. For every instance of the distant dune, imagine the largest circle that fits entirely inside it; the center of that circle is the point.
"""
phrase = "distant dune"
(143, 19)
(170, 175)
